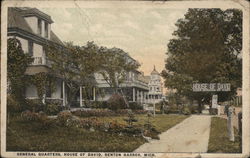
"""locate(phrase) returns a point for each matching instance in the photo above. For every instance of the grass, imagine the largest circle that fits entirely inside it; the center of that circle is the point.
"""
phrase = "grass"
(219, 141)
(28, 136)
(160, 122)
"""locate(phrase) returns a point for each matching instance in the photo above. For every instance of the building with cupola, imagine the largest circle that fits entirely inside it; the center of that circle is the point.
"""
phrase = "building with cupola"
(155, 93)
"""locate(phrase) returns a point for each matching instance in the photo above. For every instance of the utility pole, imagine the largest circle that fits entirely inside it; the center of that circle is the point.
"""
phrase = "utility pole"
(230, 124)
(154, 105)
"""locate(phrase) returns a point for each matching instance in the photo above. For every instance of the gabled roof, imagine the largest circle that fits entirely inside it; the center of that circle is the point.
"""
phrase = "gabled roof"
(16, 20)
(26, 12)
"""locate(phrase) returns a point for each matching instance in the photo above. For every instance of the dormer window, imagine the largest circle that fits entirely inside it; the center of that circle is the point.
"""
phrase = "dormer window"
(39, 24)
(46, 29)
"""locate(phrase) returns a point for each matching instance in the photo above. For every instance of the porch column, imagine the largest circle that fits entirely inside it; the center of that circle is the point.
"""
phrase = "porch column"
(133, 94)
(80, 96)
(145, 97)
(64, 98)
(141, 97)
(94, 93)
(137, 94)
(44, 98)
(154, 105)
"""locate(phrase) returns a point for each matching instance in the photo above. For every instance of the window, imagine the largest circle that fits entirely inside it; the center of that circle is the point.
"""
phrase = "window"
(46, 29)
(30, 47)
(39, 26)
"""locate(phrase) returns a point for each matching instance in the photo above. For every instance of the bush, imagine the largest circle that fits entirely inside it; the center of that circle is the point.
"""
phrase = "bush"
(40, 118)
(35, 105)
(116, 102)
(96, 112)
(213, 111)
(193, 109)
(185, 110)
(173, 109)
(99, 104)
(131, 130)
(135, 106)
(13, 105)
(29, 116)
(63, 117)
(140, 111)
(52, 109)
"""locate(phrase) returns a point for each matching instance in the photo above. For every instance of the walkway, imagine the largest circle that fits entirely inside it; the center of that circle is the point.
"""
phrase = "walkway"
(191, 135)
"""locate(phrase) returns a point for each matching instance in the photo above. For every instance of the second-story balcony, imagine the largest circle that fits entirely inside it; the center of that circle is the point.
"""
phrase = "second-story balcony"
(41, 61)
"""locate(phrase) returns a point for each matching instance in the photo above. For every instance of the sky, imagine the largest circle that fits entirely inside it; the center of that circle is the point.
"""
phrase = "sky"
(142, 32)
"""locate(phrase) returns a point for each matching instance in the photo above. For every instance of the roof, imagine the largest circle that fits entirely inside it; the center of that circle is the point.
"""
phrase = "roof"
(16, 20)
(154, 72)
(26, 11)
(147, 78)
(54, 38)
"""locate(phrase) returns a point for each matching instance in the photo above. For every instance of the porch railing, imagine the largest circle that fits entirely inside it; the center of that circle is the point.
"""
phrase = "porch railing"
(41, 61)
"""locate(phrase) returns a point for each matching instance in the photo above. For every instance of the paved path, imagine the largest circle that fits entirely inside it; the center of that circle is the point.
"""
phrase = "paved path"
(191, 135)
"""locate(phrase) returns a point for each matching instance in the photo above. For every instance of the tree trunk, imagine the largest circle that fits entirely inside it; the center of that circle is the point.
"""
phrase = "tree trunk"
(199, 106)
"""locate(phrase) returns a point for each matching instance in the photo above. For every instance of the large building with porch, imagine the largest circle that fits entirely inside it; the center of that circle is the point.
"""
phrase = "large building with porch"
(33, 29)
(134, 88)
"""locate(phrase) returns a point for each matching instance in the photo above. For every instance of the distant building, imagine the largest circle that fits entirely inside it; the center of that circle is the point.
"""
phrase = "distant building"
(134, 88)
(155, 93)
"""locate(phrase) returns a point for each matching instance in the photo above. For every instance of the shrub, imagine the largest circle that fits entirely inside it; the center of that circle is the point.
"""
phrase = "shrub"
(193, 109)
(186, 110)
(35, 105)
(29, 116)
(132, 130)
(96, 112)
(63, 117)
(40, 118)
(135, 106)
(213, 111)
(13, 105)
(116, 102)
(99, 104)
(172, 109)
(140, 111)
(131, 118)
(52, 109)
(122, 111)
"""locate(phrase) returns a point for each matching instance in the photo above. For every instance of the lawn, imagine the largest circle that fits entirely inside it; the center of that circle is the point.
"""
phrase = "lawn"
(218, 141)
(160, 122)
(29, 136)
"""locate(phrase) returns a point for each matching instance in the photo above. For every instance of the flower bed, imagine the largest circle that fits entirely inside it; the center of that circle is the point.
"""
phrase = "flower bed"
(105, 112)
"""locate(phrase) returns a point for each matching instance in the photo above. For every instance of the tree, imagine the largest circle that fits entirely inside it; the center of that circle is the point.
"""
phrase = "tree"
(17, 64)
(75, 65)
(62, 60)
(206, 49)
(115, 65)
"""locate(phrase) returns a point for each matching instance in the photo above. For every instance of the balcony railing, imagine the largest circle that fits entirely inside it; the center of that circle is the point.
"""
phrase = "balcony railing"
(41, 61)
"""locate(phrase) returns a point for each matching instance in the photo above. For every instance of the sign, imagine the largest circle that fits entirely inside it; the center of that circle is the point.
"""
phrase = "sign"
(214, 101)
(211, 87)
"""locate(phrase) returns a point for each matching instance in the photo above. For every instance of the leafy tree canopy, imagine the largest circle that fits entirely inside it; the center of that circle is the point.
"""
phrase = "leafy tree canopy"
(206, 48)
